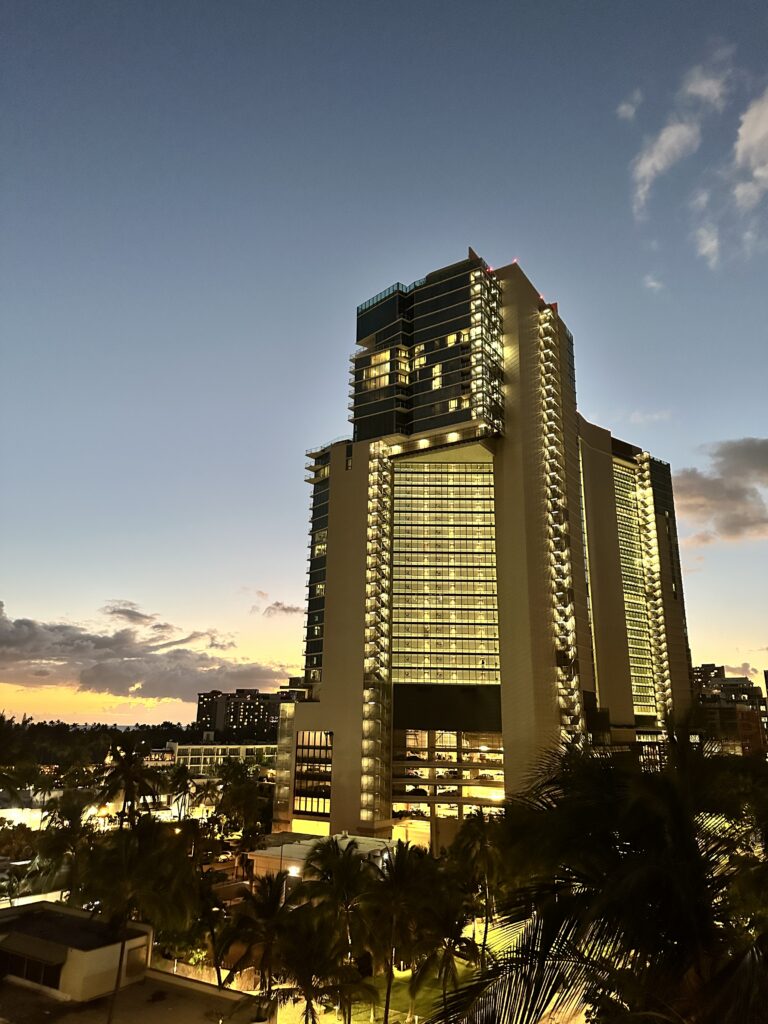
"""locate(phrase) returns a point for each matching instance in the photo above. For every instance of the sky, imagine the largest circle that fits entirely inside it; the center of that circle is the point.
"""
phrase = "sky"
(194, 197)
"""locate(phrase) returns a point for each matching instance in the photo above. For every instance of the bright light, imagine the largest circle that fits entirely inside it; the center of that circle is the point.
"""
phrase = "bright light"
(293, 871)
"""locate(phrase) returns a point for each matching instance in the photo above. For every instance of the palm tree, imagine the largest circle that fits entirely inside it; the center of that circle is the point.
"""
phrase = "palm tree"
(181, 788)
(444, 917)
(315, 969)
(337, 880)
(126, 775)
(256, 928)
(246, 805)
(476, 850)
(144, 873)
(639, 895)
(67, 834)
(405, 877)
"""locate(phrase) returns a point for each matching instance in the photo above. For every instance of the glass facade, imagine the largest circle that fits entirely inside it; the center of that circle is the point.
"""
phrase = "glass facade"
(430, 355)
(633, 583)
(312, 773)
(444, 622)
(446, 773)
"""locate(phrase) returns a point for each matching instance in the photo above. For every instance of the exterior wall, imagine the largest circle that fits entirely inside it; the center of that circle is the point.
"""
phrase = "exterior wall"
(339, 697)
(609, 627)
(202, 757)
(529, 710)
(91, 974)
(678, 650)
(532, 717)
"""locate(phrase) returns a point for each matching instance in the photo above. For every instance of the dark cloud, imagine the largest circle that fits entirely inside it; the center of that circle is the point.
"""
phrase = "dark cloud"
(124, 662)
(129, 611)
(727, 501)
(175, 674)
(744, 669)
(279, 608)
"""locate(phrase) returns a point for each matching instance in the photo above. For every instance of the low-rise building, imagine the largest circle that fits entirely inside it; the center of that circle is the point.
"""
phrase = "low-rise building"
(205, 758)
(288, 851)
(69, 952)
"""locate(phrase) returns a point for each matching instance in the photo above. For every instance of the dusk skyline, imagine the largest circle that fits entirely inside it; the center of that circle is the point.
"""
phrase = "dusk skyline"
(195, 199)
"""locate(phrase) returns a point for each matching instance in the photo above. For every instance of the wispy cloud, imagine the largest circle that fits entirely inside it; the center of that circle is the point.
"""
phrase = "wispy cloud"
(658, 416)
(708, 86)
(627, 109)
(727, 501)
(744, 669)
(707, 238)
(751, 154)
(279, 608)
(674, 142)
(129, 611)
(704, 89)
(652, 283)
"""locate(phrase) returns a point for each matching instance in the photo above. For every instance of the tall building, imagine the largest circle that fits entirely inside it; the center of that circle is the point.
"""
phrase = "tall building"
(246, 712)
(489, 574)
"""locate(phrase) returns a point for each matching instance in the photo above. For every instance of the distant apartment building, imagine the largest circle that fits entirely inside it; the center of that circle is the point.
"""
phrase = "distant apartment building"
(732, 712)
(703, 674)
(246, 713)
(490, 575)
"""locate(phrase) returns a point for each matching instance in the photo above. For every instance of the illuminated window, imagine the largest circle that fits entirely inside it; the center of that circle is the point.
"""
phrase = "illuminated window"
(451, 339)
(437, 376)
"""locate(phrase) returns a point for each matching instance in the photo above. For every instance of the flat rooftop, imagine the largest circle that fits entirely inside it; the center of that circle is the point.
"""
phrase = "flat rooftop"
(60, 928)
(151, 1001)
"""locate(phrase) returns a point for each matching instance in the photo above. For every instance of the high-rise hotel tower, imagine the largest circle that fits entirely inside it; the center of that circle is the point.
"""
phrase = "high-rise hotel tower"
(489, 576)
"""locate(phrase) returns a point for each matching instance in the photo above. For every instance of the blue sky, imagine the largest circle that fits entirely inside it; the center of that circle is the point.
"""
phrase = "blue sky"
(194, 198)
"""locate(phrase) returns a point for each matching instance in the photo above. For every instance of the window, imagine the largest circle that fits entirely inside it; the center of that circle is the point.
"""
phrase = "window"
(437, 376)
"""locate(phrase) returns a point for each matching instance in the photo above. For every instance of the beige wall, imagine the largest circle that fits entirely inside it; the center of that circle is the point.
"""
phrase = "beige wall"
(609, 626)
(530, 714)
(90, 974)
(340, 706)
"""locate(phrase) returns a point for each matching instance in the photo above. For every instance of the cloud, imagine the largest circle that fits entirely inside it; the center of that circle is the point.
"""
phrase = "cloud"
(707, 239)
(707, 86)
(744, 669)
(750, 154)
(278, 608)
(676, 140)
(180, 674)
(728, 499)
(699, 200)
(703, 90)
(627, 109)
(652, 283)
(656, 416)
(129, 611)
(123, 662)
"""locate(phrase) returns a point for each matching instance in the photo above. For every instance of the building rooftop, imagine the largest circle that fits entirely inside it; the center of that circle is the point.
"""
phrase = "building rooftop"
(53, 929)
(152, 1001)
